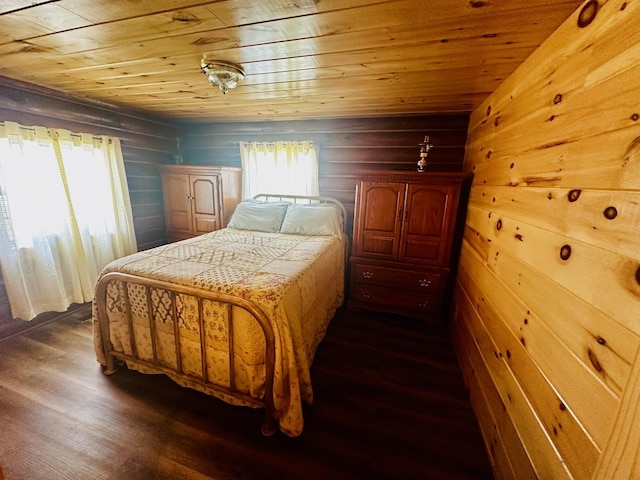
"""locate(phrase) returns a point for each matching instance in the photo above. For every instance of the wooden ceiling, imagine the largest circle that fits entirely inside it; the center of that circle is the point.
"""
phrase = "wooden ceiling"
(303, 58)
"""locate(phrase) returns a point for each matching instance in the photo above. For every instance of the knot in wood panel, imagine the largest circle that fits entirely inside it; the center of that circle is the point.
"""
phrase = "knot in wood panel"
(594, 361)
(574, 195)
(33, 48)
(565, 252)
(630, 276)
(610, 213)
(632, 153)
(305, 3)
(185, 17)
(209, 40)
(588, 13)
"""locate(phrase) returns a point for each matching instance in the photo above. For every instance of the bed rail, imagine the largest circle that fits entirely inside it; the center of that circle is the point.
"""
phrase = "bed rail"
(172, 290)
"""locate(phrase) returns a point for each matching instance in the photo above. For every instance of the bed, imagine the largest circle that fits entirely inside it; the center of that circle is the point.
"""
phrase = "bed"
(237, 313)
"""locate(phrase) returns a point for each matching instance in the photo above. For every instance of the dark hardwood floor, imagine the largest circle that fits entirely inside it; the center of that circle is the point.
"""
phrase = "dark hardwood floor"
(390, 403)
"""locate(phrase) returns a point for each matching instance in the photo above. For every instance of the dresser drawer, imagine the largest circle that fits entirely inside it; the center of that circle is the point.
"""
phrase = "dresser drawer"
(418, 281)
(403, 300)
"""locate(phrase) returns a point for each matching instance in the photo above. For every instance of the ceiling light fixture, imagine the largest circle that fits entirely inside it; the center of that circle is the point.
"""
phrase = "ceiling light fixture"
(222, 74)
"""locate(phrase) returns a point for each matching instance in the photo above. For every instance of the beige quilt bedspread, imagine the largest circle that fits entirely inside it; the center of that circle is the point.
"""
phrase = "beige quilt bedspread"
(298, 282)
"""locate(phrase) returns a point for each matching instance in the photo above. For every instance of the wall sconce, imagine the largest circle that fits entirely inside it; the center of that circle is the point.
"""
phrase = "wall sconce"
(224, 75)
(425, 146)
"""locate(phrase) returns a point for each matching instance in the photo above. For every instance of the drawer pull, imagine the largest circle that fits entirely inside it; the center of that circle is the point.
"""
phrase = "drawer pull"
(424, 282)
(367, 275)
(424, 304)
(365, 294)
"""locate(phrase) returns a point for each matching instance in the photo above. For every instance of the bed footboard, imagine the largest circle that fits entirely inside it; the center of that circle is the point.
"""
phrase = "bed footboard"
(171, 295)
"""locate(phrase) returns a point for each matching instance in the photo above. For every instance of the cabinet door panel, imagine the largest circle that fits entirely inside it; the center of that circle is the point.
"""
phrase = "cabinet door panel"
(426, 220)
(425, 210)
(177, 204)
(378, 244)
(204, 190)
(380, 209)
(416, 247)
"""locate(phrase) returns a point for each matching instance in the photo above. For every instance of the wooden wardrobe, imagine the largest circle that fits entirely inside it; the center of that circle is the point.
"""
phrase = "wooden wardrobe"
(403, 237)
(198, 199)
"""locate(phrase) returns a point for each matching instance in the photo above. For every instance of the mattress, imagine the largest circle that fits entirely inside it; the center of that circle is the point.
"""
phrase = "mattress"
(296, 280)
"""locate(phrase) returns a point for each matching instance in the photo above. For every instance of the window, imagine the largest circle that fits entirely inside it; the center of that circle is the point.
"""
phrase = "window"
(288, 168)
(64, 214)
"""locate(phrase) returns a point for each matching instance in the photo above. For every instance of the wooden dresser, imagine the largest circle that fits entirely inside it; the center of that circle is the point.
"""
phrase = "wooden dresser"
(402, 241)
(198, 199)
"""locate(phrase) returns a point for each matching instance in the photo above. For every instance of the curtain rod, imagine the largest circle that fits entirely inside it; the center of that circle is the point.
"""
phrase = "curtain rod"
(279, 141)
(32, 129)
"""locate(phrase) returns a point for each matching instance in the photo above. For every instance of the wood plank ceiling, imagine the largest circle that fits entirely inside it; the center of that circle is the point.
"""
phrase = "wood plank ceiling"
(304, 58)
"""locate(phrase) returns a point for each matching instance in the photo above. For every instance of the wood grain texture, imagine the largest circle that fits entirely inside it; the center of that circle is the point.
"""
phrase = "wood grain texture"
(620, 459)
(506, 452)
(525, 345)
(304, 60)
(389, 403)
(550, 259)
(582, 325)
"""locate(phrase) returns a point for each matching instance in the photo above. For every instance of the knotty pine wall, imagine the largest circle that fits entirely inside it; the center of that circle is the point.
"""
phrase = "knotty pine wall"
(145, 143)
(547, 302)
(344, 145)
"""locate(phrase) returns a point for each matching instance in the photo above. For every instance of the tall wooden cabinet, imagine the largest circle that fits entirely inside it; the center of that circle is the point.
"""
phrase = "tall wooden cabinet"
(402, 241)
(198, 199)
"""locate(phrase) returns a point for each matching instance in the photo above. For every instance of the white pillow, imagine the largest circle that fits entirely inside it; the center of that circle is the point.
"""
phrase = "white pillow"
(258, 216)
(312, 220)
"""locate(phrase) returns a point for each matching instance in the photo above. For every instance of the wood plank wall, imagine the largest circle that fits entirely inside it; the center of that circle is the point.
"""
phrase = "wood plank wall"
(145, 142)
(344, 145)
(547, 299)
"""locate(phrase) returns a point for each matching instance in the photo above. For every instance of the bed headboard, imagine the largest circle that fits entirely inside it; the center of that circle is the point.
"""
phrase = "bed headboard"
(304, 200)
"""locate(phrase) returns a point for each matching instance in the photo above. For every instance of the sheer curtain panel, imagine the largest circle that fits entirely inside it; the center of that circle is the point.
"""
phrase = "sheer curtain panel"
(64, 214)
(279, 167)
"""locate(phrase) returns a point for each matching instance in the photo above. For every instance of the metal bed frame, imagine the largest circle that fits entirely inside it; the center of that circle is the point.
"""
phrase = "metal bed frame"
(170, 291)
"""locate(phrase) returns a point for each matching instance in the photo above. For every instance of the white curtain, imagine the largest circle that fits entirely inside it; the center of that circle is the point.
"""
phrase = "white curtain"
(280, 167)
(64, 214)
